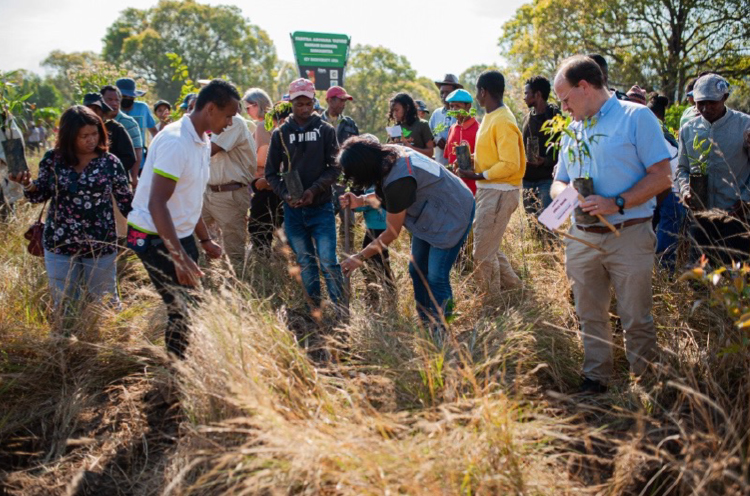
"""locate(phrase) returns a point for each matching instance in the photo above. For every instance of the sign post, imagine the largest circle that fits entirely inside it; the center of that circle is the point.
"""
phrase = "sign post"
(321, 57)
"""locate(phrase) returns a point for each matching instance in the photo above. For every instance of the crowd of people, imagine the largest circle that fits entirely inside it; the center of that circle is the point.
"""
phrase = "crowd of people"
(213, 177)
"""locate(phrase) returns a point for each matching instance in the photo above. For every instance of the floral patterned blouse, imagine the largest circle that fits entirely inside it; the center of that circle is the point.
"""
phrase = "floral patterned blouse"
(80, 217)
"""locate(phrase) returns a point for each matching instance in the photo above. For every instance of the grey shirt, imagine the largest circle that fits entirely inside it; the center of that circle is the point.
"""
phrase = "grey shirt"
(728, 162)
(441, 210)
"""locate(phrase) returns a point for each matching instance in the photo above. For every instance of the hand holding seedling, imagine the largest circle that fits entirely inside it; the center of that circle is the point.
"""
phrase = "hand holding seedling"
(23, 178)
(306, 200)
(598, 205)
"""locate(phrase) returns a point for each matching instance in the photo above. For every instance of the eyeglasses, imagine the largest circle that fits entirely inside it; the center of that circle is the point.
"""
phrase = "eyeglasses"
(564, 100)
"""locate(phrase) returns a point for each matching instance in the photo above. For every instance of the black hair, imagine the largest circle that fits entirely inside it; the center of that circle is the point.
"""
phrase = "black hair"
(493, 82)
(71, 122)
(540, 84)
(581, 68)
(219, 92)
(691, 84)
(602, 63)
(658, 104)
(110, 87)
(410, 108)
(366, 162)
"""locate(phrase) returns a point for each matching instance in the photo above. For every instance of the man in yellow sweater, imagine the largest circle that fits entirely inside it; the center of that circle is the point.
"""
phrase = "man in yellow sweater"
(499, 164)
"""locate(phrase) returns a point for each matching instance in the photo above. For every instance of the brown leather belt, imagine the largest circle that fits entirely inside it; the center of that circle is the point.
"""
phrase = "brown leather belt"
(221, 188)
(605, 230)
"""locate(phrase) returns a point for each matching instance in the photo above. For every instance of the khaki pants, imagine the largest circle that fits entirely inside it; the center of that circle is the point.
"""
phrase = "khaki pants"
(226, 213)
(627, 265)
(492, 269)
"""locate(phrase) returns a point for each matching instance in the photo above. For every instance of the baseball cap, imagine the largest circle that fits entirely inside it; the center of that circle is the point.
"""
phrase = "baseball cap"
(186, 101)
(338, 92)
(127, 87)
(459, 96)
(421, 106)
(162, 102)
(710, 87)
(301, 87)
(96, 99)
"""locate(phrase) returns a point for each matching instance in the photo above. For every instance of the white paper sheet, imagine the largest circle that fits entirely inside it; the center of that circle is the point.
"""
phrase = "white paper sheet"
(394, 131)
(560, 209)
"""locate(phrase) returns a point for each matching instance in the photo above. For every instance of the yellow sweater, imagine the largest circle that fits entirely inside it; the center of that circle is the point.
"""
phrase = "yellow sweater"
(499, 149)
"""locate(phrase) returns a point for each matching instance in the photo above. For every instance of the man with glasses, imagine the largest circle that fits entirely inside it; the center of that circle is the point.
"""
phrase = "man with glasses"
(629, 167)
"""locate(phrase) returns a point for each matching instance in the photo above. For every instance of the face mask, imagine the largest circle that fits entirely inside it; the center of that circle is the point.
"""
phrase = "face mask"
(127, 103)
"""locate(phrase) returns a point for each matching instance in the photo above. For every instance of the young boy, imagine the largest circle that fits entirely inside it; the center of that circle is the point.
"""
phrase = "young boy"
(464, 131)
(306, 146)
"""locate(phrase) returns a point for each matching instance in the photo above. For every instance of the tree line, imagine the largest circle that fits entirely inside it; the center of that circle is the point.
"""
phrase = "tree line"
(658, 44)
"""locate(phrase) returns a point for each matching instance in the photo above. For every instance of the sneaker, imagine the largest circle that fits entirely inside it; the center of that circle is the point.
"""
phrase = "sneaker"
(590, 387)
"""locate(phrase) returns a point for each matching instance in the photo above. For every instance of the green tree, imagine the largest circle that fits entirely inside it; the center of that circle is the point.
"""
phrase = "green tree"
(374, 75)
(64, 66)
(655, 43)
(213, 41)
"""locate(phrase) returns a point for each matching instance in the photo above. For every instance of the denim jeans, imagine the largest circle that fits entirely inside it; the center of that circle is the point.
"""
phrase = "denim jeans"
(536, 195)
(311, 232)
(68, 273)
(433, 265)
(671, 215)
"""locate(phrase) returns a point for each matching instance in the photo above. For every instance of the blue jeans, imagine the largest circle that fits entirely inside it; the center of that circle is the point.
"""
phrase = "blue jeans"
(539, 198)
(311, 232)
(67, 274)
(671, 217)
(433, 265)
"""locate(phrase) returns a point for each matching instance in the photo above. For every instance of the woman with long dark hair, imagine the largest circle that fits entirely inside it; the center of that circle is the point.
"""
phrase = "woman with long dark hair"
(415, 132)
(425, 198)
(79, 177)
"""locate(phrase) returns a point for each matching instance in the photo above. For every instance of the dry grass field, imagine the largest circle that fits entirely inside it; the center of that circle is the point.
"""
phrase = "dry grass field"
(271, 402)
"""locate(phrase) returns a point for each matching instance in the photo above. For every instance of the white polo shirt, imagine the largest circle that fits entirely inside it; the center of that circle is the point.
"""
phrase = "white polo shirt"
(177, 153)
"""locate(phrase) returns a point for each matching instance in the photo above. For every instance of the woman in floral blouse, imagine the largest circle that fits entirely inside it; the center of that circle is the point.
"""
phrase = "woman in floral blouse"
(79, 178)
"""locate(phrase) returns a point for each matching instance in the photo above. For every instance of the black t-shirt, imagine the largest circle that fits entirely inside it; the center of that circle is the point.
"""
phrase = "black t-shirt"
(399, 195)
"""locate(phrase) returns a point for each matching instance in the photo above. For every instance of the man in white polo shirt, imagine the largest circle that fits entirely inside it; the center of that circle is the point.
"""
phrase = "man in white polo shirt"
(168, 202)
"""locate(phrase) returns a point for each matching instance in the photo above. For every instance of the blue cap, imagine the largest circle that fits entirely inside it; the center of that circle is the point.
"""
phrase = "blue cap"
(187, 99)
(459, 96)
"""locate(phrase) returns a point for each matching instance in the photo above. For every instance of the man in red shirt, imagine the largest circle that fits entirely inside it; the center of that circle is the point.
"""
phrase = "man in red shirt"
(464, 131)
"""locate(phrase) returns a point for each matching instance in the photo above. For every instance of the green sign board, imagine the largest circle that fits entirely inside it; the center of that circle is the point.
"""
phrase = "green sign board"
(321, 57)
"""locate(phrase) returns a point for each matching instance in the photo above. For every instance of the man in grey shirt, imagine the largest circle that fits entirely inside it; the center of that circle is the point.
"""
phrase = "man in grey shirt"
(722, 233)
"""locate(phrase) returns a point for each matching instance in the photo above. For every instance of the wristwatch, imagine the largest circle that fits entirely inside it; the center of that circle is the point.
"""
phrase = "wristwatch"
(620, 202)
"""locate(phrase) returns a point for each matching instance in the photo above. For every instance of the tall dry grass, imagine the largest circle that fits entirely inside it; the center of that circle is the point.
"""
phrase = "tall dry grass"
(270, 401)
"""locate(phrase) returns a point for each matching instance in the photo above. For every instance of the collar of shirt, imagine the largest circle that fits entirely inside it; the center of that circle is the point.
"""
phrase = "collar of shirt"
(190, 128)
(608, 105)
(718, 123)
(468, 123)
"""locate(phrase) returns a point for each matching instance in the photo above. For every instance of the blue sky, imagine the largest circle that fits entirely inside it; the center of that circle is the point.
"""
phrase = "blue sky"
(438, 36)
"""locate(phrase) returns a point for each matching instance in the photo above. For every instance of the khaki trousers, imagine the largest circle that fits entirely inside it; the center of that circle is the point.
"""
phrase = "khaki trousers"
(225, 214)
(492, 269)
(627, 265)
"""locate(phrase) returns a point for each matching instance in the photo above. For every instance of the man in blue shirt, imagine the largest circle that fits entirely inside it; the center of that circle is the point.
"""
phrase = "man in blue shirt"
(440, 122)
(137, 110)
(629, 167)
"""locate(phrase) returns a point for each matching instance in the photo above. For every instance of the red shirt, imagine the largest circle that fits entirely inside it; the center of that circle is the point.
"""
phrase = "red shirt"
(458, 133)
